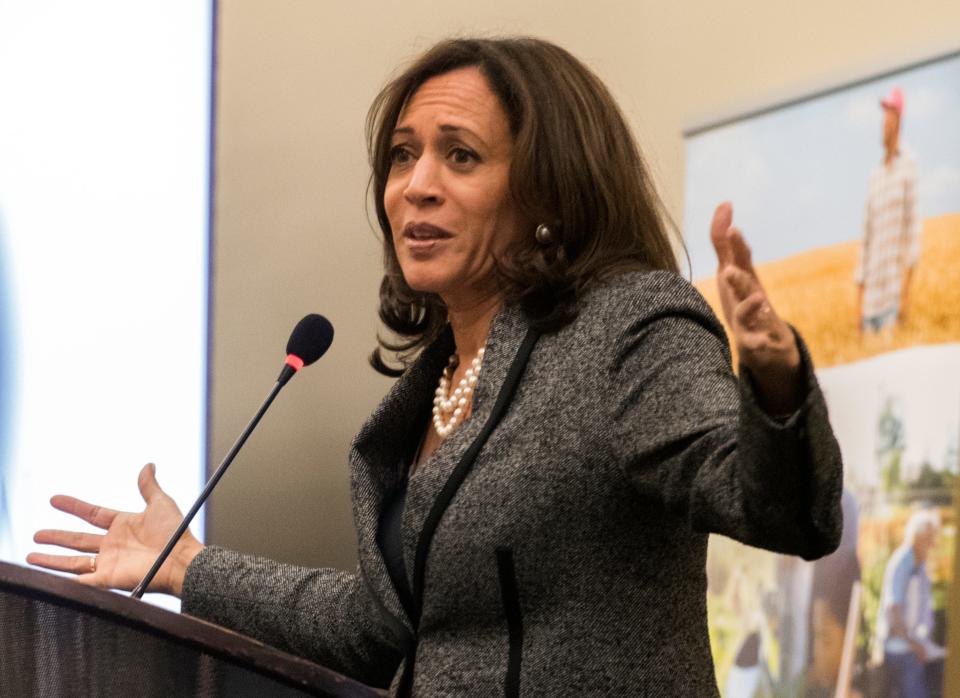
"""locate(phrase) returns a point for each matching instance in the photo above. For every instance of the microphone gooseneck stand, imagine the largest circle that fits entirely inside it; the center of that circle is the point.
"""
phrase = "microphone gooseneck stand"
(309, 341)
(208, 488)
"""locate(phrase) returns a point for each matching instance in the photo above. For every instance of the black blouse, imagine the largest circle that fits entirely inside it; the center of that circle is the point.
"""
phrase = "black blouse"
(391, 543)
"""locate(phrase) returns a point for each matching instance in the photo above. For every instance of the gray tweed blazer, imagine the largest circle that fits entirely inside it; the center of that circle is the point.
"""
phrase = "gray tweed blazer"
(556, 542)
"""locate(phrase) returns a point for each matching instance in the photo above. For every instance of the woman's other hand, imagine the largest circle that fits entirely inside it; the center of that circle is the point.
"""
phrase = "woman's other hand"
(120, 557)
(765, 343)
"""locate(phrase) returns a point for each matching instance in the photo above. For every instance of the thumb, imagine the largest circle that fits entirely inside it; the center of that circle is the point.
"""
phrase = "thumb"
(147, 482)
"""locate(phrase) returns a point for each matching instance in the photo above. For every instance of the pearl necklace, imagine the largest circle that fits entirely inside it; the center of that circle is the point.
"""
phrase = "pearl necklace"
(450, 408)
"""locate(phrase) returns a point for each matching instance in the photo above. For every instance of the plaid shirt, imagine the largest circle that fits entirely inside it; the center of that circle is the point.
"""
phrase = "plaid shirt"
(891, 235)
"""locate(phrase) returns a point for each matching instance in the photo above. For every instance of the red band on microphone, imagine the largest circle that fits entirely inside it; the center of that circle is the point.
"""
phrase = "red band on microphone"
(294, 362)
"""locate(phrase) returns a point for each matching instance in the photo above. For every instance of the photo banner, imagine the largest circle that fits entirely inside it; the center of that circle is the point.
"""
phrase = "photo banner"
(850, 201)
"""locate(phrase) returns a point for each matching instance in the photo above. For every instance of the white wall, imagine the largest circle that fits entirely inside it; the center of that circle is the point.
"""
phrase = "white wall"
(295, 79)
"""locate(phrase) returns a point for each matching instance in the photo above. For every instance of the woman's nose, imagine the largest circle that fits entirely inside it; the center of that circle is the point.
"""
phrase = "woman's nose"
(424, 186)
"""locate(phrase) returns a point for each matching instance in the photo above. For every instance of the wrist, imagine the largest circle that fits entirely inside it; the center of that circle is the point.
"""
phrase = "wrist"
(778, 383)
(181, 557)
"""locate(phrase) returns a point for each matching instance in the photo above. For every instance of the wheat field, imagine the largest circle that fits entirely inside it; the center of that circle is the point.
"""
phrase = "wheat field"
(815, 292)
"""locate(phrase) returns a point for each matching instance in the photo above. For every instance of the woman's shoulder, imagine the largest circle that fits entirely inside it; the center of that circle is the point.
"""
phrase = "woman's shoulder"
(621, 311)
(635, 295)
(640, 313)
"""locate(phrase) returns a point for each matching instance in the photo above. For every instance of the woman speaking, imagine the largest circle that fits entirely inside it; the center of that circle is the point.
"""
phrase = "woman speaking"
(533, 496)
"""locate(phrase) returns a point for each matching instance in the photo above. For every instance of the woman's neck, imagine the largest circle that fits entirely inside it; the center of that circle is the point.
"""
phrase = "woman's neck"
(471, 324)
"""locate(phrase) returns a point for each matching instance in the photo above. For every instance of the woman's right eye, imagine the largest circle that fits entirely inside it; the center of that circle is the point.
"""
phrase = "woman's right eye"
(399, 155)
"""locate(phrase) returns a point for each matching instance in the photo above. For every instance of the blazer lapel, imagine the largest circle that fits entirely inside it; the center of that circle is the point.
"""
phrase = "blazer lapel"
(379, 457)
(507, 332)
(380, 453)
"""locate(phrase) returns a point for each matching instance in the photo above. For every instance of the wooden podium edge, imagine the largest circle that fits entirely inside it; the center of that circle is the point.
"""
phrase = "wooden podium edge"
(222, 643)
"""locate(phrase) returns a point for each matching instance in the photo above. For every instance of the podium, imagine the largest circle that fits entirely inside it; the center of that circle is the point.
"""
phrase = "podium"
(62, 638)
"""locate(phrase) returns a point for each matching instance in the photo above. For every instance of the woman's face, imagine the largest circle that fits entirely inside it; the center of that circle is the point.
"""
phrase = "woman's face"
(447, 195)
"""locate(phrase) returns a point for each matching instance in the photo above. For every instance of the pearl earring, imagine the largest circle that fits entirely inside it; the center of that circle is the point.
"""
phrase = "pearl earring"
(543, 235)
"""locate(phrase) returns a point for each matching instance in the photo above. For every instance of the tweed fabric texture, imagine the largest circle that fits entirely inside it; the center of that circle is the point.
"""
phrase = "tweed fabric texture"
(628, 441)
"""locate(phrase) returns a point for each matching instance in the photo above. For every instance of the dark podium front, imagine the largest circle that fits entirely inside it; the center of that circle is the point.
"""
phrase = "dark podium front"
(61, 638)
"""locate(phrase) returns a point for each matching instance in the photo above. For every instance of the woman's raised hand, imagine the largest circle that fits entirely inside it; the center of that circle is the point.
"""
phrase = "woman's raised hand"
(765, 343)
(120, 557)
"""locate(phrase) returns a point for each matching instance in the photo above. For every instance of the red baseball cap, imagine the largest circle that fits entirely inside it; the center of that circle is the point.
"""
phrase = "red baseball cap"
(894, 101)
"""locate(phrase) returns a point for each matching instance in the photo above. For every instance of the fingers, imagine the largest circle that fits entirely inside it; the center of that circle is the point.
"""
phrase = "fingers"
(101, 517)
(756, 316)
(753, 313)
(147, 482)
(82, 542)
(77, 564)
(740, 283)
(719, 227)
(728, 242)
(740, 250)
(763, 339)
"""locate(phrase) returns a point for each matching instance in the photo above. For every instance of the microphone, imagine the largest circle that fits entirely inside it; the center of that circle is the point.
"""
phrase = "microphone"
(309, 341)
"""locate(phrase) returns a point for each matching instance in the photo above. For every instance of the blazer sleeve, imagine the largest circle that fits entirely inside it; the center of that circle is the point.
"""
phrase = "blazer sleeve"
(692, 437)
(325, 615)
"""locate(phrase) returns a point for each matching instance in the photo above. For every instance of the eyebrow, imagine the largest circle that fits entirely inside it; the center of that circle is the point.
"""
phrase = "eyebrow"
(444, 128)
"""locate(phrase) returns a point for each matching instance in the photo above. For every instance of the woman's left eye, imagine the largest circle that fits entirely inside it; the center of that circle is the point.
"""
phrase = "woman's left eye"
(463, 156)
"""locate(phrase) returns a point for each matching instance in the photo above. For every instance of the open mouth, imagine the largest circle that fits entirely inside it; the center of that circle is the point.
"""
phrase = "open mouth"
(424, 232)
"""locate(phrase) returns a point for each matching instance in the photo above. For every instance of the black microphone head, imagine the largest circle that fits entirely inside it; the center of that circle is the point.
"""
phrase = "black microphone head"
(311, 338)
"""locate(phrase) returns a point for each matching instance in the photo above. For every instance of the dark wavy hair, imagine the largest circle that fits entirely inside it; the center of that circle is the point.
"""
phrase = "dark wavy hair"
(576, 167)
